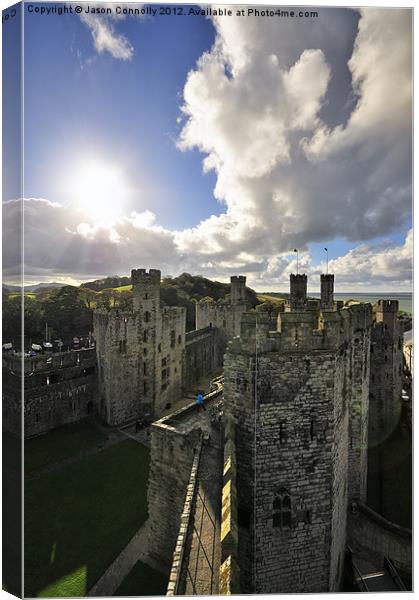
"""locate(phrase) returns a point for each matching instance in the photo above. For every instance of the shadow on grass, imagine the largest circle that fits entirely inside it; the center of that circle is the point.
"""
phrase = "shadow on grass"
(60, 444)
(142, 580)
(78, 519)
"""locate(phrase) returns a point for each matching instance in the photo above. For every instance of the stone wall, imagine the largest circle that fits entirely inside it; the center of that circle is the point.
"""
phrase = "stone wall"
(292, 395)
(386, 372)
(229, 581)
(59, 389)
(225, 315)
(172, 455)
(184, 528)
(204, 353)
(141, 354)
(377, 537)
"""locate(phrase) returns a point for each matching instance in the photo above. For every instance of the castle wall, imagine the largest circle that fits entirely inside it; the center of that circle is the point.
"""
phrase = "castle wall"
(311, 391)
(204, 353)
(119, 350)
(171, 459)
(59, 389)
(221, 314)
(386, 372)
(377, 537)
(170, 356)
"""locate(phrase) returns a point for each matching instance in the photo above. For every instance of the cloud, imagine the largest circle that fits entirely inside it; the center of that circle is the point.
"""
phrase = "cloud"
(56, 242)
(297, 161)
(377, 266)
(307, 126)
(105, 38)
(385, 265)
(58, 246)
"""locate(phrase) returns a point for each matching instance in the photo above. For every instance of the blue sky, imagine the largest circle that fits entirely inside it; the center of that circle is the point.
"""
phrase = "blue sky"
(123, 111)
(216, 146)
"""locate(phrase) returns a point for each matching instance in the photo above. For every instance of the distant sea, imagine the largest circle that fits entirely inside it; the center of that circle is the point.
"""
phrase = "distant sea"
(404, 298)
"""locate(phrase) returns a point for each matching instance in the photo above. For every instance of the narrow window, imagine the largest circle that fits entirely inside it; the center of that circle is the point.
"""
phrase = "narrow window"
(159, 347)
(312, 430)
(145, 335)
(147, 316)
(179, 339)
(145, 368)
(172, 338)
(281, 516)
(145, 388)
(281, 433)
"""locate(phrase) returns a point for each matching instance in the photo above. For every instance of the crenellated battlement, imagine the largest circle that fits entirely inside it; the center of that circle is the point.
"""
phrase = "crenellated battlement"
(141, 277)
(298, 331)
(387, 306)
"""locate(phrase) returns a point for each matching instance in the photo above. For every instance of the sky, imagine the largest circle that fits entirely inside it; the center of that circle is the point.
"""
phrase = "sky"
(216, 146)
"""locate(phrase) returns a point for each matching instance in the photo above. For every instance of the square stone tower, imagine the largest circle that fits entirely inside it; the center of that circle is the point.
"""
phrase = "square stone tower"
(140, 352)
(297, 398)
(386, 371)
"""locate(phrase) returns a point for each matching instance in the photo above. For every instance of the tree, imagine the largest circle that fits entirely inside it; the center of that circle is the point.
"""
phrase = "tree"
(66, 312)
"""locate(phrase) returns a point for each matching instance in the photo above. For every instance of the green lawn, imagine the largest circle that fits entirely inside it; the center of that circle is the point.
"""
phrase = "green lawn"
(142, 580)
(78, 519)
(60, 444)
(390, 479)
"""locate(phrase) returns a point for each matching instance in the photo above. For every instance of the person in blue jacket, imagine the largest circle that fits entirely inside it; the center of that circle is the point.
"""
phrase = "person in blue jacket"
(200, 401)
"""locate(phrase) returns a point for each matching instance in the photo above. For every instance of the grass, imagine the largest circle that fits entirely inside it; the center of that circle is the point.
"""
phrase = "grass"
(78, 519)
(60, 444)
(273, 299)
(142, 580)
(390, 478)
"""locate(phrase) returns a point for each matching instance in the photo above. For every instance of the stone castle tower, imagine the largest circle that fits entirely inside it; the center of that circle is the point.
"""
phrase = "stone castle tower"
(386, 371)
(140, 353)
(297, 398)
(224, 315)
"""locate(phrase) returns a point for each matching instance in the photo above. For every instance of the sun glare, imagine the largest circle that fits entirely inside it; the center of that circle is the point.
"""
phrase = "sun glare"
(100, 191)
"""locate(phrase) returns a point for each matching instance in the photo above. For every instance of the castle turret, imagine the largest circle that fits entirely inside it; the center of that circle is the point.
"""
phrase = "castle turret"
(146, 289)
(386, 312)
(298, 292)
(238, 289)
(327, 283)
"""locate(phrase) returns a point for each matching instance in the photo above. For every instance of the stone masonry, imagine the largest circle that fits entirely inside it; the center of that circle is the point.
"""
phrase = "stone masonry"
(226, 316)
(386, 371)
(298, 398)
(59, 388)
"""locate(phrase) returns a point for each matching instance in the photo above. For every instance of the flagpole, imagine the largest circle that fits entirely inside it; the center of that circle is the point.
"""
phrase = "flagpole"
(296, 250)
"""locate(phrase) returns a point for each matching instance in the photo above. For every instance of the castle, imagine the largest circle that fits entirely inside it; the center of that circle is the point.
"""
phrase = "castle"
(282, 459)
(143, 363)
(292, 457)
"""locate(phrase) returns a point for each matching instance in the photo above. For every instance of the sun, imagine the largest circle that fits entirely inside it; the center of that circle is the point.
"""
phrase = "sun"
(100, 191)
